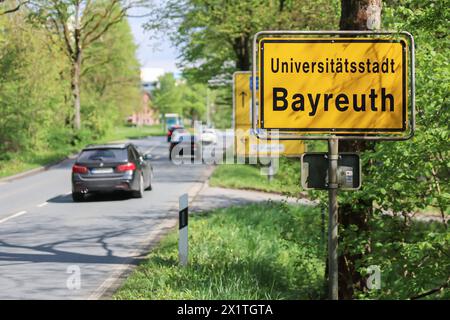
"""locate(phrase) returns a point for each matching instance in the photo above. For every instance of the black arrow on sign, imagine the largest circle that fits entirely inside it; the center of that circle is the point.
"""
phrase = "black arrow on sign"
(243, 94)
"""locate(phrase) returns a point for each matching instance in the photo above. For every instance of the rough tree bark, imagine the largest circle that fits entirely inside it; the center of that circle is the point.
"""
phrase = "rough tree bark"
(355, 15)
(76, 69)
(241, 47)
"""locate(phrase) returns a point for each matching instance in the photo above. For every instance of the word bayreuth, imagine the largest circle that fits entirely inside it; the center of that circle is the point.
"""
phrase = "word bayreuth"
(333, 85)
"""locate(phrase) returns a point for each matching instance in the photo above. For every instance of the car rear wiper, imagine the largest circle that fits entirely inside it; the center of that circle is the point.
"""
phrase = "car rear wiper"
(97, 158)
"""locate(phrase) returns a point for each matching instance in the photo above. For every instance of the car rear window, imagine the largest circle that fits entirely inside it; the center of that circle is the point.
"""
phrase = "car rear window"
(103, 154)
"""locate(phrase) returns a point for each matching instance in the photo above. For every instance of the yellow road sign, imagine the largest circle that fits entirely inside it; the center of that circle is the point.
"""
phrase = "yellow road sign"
(242, 100)
(246, 144)
(333, 85)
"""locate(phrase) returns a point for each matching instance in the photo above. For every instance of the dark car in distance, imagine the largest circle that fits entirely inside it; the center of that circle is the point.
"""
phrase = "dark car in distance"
(111, 167)
(171, 130)
(182, 141)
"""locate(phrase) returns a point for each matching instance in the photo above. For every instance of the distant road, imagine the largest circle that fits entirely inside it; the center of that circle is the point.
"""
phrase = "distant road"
(46, 240)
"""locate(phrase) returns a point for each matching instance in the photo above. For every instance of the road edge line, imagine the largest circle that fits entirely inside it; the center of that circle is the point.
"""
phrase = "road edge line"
(15, 215)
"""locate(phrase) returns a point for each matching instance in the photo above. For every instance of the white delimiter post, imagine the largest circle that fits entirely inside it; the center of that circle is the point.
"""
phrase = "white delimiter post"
(183, 227)
(271, 170)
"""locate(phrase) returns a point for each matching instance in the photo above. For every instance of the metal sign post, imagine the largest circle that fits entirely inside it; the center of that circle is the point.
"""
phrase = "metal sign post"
(333, 147)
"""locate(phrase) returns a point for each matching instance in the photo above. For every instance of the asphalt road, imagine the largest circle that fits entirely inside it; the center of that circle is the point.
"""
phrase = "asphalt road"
(53, 248)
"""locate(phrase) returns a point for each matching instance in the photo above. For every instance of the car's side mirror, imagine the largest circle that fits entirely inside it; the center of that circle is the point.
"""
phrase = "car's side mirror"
(148, 156)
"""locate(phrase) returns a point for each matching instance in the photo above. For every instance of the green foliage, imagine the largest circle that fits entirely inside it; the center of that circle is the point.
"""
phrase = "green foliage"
(111, 81)
(264, 251)
(168, 96)
(180, 96)
(410, 176)
(413, 259)
(275, 251)
(414, 174)
(221, 111)
(194, 104)
(32, 102)
(36, 110)
(214, 36)
(60, 140)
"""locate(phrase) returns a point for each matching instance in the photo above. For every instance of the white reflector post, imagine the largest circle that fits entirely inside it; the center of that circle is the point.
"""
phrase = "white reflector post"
(183, 227)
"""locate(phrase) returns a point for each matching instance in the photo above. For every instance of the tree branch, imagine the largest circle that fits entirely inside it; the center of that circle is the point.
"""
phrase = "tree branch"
(16, 8)
(432, 291)
(87, 41)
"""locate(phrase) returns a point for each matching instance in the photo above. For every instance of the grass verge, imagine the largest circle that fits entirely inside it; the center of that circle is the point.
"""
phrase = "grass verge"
(241, 176)
(260, 251)
(275, 251)
(122, 133)
(29, 160)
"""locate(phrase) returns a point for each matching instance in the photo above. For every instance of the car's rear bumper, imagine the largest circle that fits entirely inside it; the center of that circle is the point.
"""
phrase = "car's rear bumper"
(103, 185)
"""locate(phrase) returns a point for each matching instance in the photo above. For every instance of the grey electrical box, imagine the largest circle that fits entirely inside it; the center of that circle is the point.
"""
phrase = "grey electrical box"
(315, 171)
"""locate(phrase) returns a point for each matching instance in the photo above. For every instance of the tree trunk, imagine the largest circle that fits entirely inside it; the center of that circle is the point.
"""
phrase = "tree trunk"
(355, 15)
(360, 15)
(242, 49)
(76, 69)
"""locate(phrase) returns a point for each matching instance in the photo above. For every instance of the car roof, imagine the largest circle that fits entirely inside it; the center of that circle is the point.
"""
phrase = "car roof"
(107, 146)
(181, 131)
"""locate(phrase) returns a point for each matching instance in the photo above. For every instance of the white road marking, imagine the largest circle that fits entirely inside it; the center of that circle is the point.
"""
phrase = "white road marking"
(15, 215)
(154, 147)
(42, 204)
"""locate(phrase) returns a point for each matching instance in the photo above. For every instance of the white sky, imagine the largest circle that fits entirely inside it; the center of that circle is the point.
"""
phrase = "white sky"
(153, 55)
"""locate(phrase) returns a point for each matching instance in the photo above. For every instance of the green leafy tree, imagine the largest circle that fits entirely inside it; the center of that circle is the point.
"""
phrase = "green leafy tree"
(168, 95)
(32, 101)
(414, 175)
(111, 89)
(215, 36)
(403, 178)
(36, 109)
(194, 102)
(75, 25)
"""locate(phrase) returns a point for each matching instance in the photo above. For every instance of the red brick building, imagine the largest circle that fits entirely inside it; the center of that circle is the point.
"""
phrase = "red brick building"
(146, 115)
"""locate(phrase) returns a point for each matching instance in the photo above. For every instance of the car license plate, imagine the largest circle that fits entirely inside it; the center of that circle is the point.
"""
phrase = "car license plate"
(102, 170)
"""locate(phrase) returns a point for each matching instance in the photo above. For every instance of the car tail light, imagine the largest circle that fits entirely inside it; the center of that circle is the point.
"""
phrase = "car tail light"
(79, 169)
(126, 167)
